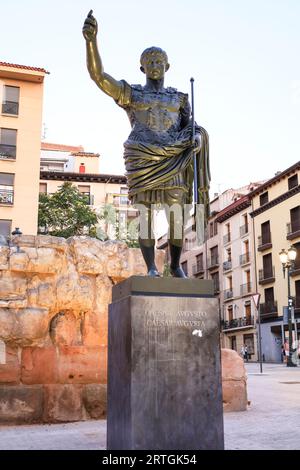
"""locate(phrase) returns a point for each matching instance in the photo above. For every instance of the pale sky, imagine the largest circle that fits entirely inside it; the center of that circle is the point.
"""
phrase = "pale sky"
(244, 56)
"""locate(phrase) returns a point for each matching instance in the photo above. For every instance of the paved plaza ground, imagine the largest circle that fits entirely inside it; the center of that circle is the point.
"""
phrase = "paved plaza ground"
(272, 420)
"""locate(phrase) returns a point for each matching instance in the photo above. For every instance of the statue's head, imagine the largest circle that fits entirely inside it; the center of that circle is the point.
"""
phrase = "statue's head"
(154, 63)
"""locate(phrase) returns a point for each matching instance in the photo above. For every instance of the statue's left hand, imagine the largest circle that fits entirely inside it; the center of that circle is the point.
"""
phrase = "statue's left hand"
(197, 145)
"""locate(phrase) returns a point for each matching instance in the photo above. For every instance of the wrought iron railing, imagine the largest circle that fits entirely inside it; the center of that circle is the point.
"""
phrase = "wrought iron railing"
(7, 151)
(6, 196)
(227, 238)
(293, 227)
(244, 229)
(238, 323)
(10, 107)
(246, 288)
(266, 274)
(264, 240)
(198, 268)
(245, 258)
(228, 294)
(268, 308)
(227, 265)
(214, 261)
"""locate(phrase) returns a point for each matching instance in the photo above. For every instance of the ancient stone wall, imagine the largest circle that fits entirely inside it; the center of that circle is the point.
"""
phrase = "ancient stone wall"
(54, 296)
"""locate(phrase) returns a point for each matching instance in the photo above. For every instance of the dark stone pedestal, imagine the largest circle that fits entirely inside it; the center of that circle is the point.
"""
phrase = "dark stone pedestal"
(164, 376)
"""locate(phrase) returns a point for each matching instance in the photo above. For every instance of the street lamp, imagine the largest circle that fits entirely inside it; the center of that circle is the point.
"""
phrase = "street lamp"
(287, 259)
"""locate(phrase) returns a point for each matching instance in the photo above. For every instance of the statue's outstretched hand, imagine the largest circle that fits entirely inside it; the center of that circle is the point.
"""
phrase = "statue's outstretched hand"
(90, 27)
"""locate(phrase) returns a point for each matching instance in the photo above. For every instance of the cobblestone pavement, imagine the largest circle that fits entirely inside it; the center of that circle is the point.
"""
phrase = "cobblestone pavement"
(272, 420)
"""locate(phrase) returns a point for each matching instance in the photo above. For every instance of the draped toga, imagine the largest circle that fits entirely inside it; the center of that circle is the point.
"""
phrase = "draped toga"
(158, 153)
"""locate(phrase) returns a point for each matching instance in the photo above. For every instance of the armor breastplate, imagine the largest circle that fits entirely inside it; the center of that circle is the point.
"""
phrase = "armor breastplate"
(156, 111)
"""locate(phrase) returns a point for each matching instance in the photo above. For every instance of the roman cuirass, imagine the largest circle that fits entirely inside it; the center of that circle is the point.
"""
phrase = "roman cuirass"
(158, 112)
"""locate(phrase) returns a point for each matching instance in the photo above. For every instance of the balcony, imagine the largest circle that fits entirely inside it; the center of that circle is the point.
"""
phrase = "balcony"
(244, 259)
(268, 310)
(227, 238)
(197, 268)
(213, 262)
(266, 276)
(8, 152)
(10, 107)
(246, 288)
(264, 242)
(244, 229)
(227, 265)
(6, 196)
(293, 230)
(242, 322)
(228, 294)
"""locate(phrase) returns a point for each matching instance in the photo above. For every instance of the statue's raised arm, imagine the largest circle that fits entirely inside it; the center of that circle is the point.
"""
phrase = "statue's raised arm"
(105, 82)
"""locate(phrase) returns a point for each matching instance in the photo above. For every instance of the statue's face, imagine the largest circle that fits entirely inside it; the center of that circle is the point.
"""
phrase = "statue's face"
(154, 66)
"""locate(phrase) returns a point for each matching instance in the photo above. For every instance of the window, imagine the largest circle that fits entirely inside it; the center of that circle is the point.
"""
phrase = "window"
(264, 198)
(10, 103)
(230, 313)
(267, 266)
(293, 181)
(43, 188)
(124, 199)
(184, 267)
(233, 342)
(227, 236)
(8, 143)
(269, 295)
(244, 227)
(86, 191)
(6, 188)
(265, 233)
(211, 229)
(295, 219)
(215, 279)
(5, 227)
(214, 256)
(199, 261)
(215, 228)
(248, 311)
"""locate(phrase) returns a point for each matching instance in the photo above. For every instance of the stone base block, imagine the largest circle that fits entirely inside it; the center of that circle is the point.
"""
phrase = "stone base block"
(21, 405)
(164, 372)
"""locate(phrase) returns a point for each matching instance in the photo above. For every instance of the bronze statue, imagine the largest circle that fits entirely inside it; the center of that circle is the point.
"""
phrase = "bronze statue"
(160, 149)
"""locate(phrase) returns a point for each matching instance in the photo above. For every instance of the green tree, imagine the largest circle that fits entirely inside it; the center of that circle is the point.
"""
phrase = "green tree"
(66, 213)
(125, 232)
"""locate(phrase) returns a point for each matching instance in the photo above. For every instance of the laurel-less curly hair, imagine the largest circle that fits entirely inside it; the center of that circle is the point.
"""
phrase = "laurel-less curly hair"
(154, 51)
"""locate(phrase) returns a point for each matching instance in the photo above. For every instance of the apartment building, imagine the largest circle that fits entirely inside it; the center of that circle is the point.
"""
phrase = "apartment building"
(60, 163)
(236, 258)
(21, 96)
(276, 221)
